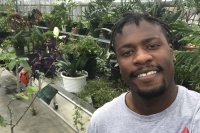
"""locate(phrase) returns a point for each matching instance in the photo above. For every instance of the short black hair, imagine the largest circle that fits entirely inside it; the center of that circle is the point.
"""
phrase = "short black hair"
(136, 18)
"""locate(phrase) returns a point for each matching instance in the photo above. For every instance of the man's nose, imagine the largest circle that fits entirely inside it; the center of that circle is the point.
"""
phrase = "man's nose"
(142, 56)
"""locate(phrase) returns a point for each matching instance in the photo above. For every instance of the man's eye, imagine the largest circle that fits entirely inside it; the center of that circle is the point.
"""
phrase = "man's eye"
(127, 53)
(153, 46)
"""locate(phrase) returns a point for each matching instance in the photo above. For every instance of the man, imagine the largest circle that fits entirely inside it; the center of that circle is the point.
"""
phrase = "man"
(154, 104)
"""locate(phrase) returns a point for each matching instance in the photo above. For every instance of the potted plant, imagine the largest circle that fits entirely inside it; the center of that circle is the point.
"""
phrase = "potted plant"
(19, 42)
(23, 33)
(5, 30)
(93, 14)
(107, 24)
(61, 15)
(6, 53)
(71, 66)
(82, 26)
(44, 53)
(91, 49)
(36, 39)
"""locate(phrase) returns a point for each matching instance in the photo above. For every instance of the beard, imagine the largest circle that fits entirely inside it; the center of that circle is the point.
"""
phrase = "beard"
(153, 93)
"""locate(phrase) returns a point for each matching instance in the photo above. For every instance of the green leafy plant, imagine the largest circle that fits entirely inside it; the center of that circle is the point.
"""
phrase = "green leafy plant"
(30, 90)
(78, 119)
(35, 37)
(4, 27)
(9, 6)
(96, 12)
(123, 7)
(92, 13)
(187, 68)
(2, 121)
(19, 39)
(89, 46)
(6, 52)
(82, 26)
(82, 23)
(19, 61)
(73, 61)
(60, 15)
(76, 54)
(102, 90)
(191, 35)
(71, 67)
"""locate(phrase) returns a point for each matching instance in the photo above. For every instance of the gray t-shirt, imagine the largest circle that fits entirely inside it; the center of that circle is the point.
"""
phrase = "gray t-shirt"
(116, 117)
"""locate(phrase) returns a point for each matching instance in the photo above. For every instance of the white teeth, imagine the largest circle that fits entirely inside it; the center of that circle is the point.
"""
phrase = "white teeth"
(142, 75)
(148, 73)
(151, 72)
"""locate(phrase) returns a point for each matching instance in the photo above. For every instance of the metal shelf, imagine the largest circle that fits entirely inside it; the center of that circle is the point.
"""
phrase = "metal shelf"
(77, 35)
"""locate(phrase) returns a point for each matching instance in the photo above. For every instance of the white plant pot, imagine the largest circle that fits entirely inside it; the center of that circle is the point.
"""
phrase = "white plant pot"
(74, 84)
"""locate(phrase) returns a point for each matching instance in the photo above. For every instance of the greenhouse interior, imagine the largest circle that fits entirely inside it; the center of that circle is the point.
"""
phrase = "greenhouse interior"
(58, 64)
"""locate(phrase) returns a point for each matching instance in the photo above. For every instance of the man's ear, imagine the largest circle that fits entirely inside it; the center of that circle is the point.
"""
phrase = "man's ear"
(174, 57)
(172, 52)
(170, 45)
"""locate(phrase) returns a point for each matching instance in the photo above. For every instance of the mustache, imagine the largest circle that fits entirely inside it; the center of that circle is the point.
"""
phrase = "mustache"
(145, 69)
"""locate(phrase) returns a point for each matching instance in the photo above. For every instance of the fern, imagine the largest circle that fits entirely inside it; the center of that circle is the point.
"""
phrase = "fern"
(187, 67)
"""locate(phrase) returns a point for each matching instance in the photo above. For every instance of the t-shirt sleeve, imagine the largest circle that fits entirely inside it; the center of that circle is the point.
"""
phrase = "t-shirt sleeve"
(98, 122)
(195, 127)
(92, 127)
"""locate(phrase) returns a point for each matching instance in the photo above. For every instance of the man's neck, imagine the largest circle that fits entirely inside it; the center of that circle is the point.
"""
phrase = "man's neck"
(151, 106)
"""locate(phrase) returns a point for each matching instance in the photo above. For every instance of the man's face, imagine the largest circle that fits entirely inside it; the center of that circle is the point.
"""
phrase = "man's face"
(145, 59)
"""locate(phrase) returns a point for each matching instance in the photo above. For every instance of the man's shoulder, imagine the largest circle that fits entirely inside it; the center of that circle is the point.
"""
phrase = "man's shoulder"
(191, 103)
(102, 116)
(110, 108)
(189, 93)
(190, 99)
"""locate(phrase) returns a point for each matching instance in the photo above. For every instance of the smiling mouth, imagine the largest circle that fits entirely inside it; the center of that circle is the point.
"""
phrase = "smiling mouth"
(146, 74)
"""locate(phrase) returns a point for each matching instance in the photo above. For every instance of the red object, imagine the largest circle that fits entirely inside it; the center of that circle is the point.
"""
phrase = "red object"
(24, 76)
(185, 130)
